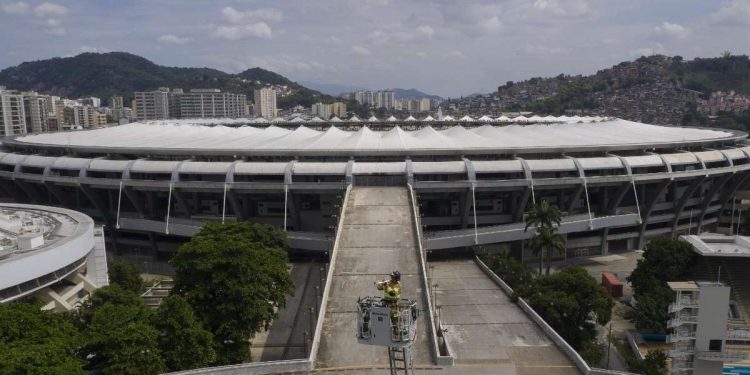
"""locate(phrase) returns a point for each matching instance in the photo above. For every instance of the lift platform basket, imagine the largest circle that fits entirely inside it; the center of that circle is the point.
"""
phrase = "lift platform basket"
(383, 324)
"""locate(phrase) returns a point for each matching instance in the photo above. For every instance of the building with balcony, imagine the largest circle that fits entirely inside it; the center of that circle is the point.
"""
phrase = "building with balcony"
(699, 328)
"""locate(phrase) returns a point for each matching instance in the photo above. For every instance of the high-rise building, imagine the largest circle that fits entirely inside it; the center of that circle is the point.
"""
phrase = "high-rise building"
(175, 103)
(384, 99)
(212, 103)
(339, 109)
(699, 327)
(91, 101)
(321, 110)
(35, 108)
(265, 103)
(12, 113)
(424, 105)
(116, 107)
(153, 105)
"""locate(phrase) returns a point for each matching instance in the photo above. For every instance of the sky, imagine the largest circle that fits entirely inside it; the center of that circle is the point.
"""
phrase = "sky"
(443, 47)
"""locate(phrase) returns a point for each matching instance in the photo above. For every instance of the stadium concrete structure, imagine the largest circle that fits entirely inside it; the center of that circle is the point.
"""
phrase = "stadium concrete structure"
(618, 182)
(50, 253)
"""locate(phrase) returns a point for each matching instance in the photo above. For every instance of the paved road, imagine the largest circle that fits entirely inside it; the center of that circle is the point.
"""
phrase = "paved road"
(486, 330)
(377, 237)
(285, 339)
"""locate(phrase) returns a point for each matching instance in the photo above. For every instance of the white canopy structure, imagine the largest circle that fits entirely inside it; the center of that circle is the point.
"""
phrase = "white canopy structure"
(373, 119)
(410, 118)
(391, 119)
(354, 118)
(316, 119)
(467, 118)
(259, 120)
(448, 118)
(428, 118)
(503, 119)
(521, 118)
(297, 119)
(145, 136)
(335, 119)
(278, 119)
(485, 118)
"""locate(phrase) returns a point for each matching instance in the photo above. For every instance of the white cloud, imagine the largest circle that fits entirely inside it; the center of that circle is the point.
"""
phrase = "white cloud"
(419, 34)
(174, 39)
(360, 51)
(736, 12)
(472, 19)
(671, 30)
(262, 14)
(47, 9)
(236, 32)
(53, 22)
(85, 48)
(564, 8)
(18, 8)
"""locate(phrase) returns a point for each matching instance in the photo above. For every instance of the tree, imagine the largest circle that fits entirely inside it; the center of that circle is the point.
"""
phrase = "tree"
(120, 340)
(546, 242)
(235, 277)
(655, 363)
(183, 341)
(569, 301)
(125, 274)
(511, 270)
(545, 218)
(37, 342)
(663, 260)
(111, 294)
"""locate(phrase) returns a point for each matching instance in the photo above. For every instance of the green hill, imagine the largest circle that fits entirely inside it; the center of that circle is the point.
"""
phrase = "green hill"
(120, 73)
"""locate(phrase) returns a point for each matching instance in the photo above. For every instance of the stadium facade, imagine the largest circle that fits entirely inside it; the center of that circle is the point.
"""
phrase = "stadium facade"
(618, 182)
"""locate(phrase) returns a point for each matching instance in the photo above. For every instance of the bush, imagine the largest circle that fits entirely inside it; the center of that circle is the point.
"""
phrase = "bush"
(514, 272)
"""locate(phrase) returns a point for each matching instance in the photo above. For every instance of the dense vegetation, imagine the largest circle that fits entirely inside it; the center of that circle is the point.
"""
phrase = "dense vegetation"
(570, 301)
(231, 280)
(664, 260)
(119, 73)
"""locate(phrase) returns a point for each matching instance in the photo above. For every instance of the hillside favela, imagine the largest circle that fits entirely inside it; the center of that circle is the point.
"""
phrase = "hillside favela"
(367, 187)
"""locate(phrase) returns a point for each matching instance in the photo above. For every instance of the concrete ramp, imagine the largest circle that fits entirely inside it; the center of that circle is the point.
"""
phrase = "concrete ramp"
(377, 237)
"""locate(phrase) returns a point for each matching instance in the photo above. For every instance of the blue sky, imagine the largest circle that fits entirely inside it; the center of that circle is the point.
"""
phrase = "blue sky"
(445, 47)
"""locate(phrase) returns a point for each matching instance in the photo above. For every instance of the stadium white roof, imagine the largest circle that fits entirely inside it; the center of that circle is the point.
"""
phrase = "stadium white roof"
(543, 137)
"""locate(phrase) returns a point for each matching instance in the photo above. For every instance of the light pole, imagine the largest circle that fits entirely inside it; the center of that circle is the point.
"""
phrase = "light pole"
(304, 341)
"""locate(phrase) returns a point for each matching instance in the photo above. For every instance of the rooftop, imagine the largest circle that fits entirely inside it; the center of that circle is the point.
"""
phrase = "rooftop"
(198, 136)
(719, 245)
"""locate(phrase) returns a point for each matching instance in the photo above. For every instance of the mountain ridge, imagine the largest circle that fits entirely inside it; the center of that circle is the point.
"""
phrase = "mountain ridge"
(121, 73)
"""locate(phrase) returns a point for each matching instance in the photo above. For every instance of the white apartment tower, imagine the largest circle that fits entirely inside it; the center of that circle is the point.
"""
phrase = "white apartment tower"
(37, 115)
(212, 103)
(153, 105)
(699, 327)
(322, 110)
(265, 103)
(12, 113)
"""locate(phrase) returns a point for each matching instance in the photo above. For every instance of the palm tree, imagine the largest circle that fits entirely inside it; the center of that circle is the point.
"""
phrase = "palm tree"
(543, 215)
(546, 242)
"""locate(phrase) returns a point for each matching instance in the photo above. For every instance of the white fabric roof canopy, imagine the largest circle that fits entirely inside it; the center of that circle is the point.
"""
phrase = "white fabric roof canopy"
(167, 136)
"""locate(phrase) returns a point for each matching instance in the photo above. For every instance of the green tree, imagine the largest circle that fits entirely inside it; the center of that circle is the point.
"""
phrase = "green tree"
(183, 341)
(544, 217)
(511, 270)
(570, 301)
(663, 260)
(111, 294)
(37, 342)
(235, 277)
(125, 274)
(655, 363)
(121, 340)
(546, 242)
(592, 352)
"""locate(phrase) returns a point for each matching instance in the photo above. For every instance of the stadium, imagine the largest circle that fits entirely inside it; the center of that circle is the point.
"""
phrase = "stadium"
(153, 184)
